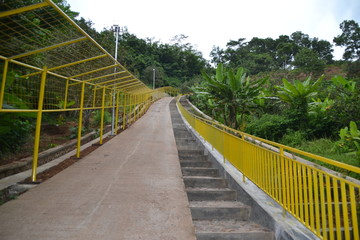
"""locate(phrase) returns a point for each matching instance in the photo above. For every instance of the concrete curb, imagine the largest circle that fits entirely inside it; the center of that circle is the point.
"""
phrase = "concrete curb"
(14, 179)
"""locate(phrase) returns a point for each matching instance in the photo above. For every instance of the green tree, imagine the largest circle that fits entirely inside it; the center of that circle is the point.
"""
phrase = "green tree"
(234, 93)
(350, 39)
(309, 61)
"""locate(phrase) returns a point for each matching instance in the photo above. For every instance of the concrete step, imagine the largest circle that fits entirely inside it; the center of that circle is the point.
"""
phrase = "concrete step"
(191, 152)
(231, 230)
(198, 171)
(201, 164)
(219, 210)
(183, 147)
(185, 141)
(182, 133)
(211, 194)
(193, 158)
(204, 182)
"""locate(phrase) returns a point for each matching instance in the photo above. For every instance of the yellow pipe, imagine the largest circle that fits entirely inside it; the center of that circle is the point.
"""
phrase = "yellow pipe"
(102, 116)
(2, 90)
(129, 84)
(66, 93)
(67, 65)
(38, 125)
(48, 48)
(80, 120)
(23, 9)
(93, 71)
(124, 112)
(109, 75)
(130, 112)
(117, 113)
(104, 76)
(345, 212)
(353, 214)
(94, 97)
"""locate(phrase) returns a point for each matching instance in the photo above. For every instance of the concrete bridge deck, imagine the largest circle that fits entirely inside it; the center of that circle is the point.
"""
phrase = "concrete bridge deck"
(129, 188)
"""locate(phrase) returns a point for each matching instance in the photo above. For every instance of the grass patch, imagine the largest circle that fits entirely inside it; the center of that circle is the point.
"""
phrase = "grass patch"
(324, 147)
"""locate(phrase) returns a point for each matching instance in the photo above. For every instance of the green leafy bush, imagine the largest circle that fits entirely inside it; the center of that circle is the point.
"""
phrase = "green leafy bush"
(271, 127)
(97, 118)
(13, 133)
(349, 140)
(294, 138)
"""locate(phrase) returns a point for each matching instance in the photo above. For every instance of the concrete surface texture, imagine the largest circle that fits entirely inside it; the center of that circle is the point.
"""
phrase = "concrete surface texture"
(129, 188)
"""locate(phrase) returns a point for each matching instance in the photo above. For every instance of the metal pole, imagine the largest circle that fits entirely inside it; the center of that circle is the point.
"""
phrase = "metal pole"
(2, 90)
(78, 149)
(117, 28)
(153, 78)
(38, 125)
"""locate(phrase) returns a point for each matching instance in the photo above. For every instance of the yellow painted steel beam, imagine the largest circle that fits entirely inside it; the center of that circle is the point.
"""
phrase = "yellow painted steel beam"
(3, 81)
(117, 112)
(129, 85)
(94, 71)
(67, 65)
(48, 48)
(78, 146)
(117, 85)
(84, 33)
(97, 78)
(124, 110)
(38, 126)
(23, 9)
(113, 80)
(127, 89)
(21, 64)
(104, 76)
(102, 116)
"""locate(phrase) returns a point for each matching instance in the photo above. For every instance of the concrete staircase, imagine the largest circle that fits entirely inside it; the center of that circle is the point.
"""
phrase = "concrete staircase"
(216, 211)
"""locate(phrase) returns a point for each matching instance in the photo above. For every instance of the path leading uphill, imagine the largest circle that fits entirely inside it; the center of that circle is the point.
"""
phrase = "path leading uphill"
(129, 188)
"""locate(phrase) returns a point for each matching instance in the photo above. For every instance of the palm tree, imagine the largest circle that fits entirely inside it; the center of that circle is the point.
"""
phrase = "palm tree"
(234, 93)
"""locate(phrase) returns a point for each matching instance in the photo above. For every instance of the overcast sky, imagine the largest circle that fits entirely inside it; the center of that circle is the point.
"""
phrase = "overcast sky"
(211, 23)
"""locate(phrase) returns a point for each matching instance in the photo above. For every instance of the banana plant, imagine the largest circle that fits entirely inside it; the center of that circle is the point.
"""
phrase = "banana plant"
(234, 92)
(297, 94)
(350, 139)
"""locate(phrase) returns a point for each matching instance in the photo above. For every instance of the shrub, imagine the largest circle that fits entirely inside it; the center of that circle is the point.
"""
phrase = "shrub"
(14, 134)
(271, 127)
(294, 138)
(349, 140)
(97, 117)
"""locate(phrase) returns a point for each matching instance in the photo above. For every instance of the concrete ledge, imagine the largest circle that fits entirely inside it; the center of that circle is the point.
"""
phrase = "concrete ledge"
(265, 211)
(45, 156)
(15, 178)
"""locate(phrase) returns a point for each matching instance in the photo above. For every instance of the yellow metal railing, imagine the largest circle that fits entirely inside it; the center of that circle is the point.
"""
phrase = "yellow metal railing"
(325, 203)
(49, 64)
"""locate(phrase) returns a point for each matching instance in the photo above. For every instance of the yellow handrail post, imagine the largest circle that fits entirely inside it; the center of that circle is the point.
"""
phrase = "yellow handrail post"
(130, 104)
(117, 113)
(2, 90)
(124, 111)
(94, 97)
(38, 125)
(102, 116)
(66, 93)
(80, 120)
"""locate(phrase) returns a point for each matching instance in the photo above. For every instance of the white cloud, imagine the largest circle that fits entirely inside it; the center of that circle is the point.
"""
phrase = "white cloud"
(212, 22)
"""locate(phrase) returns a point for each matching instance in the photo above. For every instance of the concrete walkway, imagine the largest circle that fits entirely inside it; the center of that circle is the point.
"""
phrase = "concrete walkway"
(129, 188)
